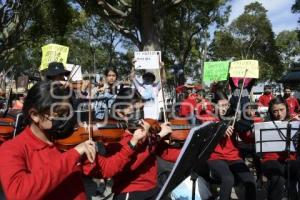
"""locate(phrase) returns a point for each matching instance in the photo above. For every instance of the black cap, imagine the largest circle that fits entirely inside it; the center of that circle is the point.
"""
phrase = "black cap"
(56, 69)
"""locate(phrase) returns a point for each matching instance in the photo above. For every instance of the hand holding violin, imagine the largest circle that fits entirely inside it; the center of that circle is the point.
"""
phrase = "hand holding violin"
(88, 148)
(138, 135)
(165, 129)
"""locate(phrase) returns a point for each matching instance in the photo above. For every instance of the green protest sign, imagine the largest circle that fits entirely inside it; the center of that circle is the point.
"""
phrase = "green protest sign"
(215, 71)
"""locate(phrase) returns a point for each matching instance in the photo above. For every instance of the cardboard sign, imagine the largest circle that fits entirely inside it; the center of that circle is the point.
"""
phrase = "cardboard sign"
(238, 69)
(76, 73)
(147, 59)
(215, 71)
(54, 53)
(22, 82)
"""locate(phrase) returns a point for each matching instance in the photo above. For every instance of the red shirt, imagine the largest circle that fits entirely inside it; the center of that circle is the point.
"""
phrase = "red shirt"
(140, 174)
(264, 99)
(293, 105)
(187, 106)
(227, 148)
(33, 169)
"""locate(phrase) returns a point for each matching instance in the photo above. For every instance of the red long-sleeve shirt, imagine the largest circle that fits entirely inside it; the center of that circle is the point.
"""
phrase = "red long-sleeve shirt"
(227, 148)
(32, 169)
(293, 105)
(264, 99)
(140, 174)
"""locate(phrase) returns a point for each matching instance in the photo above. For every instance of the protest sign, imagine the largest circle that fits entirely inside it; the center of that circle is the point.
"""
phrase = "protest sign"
(238, 69)
(53, 53)
(76, 72)
(215, 71)
(147, 59)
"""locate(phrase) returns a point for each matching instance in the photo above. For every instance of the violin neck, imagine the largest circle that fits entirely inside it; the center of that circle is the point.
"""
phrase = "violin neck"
(182, 127)
(7, 123)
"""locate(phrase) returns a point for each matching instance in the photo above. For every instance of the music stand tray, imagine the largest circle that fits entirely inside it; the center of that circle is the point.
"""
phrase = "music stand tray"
(197, 148)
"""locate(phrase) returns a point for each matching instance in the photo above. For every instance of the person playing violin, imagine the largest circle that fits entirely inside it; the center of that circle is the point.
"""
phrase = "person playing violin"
(274, 164)
(138, 180)
(32, 167)
(225, 162)
(106, 89)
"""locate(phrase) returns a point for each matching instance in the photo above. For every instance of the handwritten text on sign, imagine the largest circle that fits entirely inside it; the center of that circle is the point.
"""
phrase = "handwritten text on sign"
(238, 68)
(215, 71)
(147, 59)
(54, 53)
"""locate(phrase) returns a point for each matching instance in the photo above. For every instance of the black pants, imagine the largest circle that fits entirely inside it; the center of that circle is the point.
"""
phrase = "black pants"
(276, 173)
(226, 171)
(142, 195)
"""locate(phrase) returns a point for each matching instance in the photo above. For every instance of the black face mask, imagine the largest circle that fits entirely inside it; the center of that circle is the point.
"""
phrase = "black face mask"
(61, 128)
(287, 95)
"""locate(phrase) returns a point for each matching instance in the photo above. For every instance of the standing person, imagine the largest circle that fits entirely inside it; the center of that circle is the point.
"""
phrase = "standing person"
(106, 93)
(274, 164)
(31, 166)
(265, 99)
(292, 102)
(149, 90)
(225, 162)
(138, 180)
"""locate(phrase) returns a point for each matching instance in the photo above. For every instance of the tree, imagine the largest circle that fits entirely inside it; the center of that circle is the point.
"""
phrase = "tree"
(289, 47)
(250, 36)
(137, 20)
(185, 30)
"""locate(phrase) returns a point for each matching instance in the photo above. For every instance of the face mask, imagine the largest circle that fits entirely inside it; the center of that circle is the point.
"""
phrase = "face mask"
(287, 95)
(267, 92)
(61, 128)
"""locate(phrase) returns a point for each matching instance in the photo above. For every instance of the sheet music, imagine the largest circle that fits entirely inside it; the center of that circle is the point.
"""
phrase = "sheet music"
(269, 139)
(185, 145)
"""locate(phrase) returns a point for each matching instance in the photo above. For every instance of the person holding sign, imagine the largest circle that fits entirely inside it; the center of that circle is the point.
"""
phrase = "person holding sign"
(274, 164)
(225, 162)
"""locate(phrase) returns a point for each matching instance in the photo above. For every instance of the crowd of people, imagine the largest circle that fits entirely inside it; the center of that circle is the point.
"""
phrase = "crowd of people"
(33, 167)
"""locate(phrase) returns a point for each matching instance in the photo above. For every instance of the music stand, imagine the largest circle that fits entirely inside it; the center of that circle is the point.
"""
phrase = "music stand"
(277, 136)
(197, 148)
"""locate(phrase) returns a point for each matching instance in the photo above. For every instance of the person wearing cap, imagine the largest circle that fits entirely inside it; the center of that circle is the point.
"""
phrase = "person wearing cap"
(265, 99)
(56, 72)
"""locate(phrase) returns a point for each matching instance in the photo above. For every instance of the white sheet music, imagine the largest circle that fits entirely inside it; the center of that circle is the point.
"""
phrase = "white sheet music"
(269, 139)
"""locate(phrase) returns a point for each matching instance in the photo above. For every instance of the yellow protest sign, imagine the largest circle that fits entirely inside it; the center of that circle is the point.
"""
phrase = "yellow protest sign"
(53, 53)
(238, 68)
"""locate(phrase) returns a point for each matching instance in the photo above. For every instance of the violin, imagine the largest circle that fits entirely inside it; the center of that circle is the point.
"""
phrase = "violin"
(108, 133)
(6, 127)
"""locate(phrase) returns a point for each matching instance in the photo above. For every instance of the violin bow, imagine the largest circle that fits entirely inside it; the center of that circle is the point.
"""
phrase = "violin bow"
(239, 101)
(163, 94)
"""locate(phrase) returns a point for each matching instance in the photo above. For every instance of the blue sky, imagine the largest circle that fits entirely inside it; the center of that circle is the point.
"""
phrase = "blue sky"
(279, 13)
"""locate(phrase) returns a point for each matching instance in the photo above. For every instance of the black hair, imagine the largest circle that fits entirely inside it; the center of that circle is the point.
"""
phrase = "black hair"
(41, 96)
(219, 95)
(278, 100)
(287, 87)
(108, 69)
(126, 97)
(201, 92)
(267, 87)
(148, 78)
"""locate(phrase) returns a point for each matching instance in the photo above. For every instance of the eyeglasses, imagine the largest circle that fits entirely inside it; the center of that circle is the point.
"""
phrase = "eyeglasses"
(227, 105)
(53, 116)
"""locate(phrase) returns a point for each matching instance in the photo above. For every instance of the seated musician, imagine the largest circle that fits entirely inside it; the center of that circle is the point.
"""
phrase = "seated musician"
(138, 180)
(274, 164)
(32, 167)
(225, 162)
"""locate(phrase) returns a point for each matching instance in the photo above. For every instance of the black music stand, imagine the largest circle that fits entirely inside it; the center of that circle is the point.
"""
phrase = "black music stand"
(277, 136)
(197, 148)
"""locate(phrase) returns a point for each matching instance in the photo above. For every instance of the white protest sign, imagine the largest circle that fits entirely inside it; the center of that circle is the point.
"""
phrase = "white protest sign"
(238, 69)
(147, 59)
(76, 72)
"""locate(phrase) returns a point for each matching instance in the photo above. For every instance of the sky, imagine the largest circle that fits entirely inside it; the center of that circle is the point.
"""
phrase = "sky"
(279, 13)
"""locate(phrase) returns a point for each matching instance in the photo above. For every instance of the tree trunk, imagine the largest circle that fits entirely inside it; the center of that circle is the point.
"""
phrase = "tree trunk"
(148, 29)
